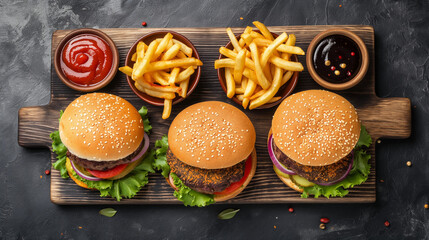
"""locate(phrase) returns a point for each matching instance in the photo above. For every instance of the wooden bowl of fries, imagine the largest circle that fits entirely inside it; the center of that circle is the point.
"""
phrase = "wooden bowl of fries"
(280, 56)
(170, 75)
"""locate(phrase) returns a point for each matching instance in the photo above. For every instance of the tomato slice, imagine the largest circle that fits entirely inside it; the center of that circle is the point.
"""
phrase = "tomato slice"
(235, 185)
(108, 173)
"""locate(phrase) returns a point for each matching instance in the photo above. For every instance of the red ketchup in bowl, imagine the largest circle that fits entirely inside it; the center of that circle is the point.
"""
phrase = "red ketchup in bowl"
(86, 59)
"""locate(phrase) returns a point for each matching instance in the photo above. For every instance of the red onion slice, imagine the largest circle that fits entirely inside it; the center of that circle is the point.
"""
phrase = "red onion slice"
(345, 174)
(144, 149)
(82, 175)
(275, 160)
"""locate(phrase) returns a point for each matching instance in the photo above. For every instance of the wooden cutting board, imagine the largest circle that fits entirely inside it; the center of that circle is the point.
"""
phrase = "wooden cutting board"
(383, 117)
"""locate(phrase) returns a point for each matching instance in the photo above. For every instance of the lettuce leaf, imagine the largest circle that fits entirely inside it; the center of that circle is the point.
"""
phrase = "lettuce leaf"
(126, 187)
(160, 162)
(358, 174)
(185, 194)
(190, 197)
(61, 150)
(364, 138)
(146, 122)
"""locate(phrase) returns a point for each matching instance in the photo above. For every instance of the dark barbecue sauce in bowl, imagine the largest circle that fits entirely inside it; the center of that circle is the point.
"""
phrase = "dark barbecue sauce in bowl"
(337, 59)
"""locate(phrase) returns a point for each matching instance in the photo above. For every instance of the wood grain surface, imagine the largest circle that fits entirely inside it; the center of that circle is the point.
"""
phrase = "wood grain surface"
(384, 118)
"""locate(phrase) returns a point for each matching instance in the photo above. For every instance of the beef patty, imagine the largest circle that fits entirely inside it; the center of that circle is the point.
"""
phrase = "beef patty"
(102, 165)
(206, 181)
(315, 174)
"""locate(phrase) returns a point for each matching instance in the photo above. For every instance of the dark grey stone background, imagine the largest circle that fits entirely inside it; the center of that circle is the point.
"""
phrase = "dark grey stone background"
(402, 53)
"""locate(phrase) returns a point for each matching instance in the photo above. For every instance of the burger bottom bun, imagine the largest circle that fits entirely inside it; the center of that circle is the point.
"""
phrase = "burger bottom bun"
(225, 197)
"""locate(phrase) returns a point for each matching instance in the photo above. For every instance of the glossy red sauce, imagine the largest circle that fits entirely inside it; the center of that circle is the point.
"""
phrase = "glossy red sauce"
(86, 59)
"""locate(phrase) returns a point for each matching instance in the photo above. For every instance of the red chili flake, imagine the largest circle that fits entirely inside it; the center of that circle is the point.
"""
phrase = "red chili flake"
(349, 73)
(340, 57)
(291, 210)
(329, 74)
(324, 220)
(340, 5)
(333, 68)
(352, 53)
(144, 24)
(381, 180)
(47, 172)
(386, 223)
(426, 206)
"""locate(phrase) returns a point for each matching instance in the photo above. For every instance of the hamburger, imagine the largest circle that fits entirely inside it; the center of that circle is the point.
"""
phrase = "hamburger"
(316, 144)
(211, 153)
(103, 142)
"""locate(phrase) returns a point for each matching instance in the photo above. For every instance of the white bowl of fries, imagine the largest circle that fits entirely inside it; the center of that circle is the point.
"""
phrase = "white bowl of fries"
(162, 68)
(258, 69)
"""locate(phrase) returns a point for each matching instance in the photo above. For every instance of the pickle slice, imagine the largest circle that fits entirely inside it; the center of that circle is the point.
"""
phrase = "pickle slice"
(280, 173)
(301, 181)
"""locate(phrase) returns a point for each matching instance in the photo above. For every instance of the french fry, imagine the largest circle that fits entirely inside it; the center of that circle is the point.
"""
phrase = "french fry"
(184, 86)
(244, 83)
(245, 102)
(174, 73)
(271, 48)
(127, 70)
(290, 42)
(185, 49)
(171, 52)
(239, 65)
(240, 97)
(142, 67)
(157, 94)
(180, 54)
(250, 88)
(274, 88)
(167, 108)
(155, 87)
(262, 80)
(241, 42)
(258, 94)
(286, 65)
(286, 77)
(248, 39)
(281, 48)
(183, 62)
(239, 90)
(159, 79)
(185, 74)
(233, 39)
(134, 57)
(230, 83)
(231, 54)
(274, 99)
(254, 35)
(162, 45)
(264, 30)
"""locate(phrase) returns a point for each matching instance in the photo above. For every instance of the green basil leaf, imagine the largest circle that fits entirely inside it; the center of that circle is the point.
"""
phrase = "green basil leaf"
(227, 213)
(108, 212)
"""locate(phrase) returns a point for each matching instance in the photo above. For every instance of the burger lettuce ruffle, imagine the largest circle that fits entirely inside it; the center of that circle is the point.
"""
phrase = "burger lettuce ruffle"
(358, 174)
(183, 193)
(126, 187)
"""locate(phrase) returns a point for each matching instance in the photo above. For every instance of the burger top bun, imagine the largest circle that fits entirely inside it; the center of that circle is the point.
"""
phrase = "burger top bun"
(211, 135)
(101, 127)
(316, 127)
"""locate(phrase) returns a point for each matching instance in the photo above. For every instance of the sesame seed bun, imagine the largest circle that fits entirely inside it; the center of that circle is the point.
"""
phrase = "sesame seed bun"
(316, 127)
(211, 135)
(101, 127)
